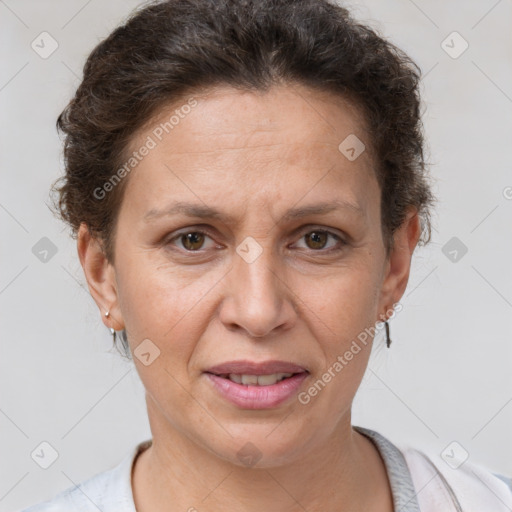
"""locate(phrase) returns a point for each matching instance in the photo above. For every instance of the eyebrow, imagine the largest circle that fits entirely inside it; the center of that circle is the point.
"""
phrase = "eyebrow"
(203, 211)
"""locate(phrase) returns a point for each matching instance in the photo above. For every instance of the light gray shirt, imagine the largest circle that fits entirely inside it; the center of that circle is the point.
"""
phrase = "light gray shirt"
(111, 490)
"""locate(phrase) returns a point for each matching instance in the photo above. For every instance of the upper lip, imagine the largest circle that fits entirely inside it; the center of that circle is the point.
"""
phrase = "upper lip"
(244, 367)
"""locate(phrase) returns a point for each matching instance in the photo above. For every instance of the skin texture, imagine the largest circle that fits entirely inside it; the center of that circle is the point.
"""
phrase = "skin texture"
(252, 156)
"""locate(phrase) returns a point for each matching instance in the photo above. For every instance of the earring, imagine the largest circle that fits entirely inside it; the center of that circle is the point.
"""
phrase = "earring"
(112, 330)
(388, 339)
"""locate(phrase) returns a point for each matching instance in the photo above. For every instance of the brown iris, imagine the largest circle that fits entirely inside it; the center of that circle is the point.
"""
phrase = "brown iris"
(318, 238)
(192, 241)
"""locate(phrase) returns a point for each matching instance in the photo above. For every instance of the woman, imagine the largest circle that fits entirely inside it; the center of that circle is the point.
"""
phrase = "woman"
(247, 187)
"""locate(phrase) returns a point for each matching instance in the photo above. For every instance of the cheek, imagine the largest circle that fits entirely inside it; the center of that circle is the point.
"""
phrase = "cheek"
(168, 308)
(344, 326)
(345, 303)
(164, 305)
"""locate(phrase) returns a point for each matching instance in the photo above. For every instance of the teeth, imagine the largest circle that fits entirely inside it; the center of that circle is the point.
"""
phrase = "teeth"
(249, 380)
(258, 380)
(268, 380)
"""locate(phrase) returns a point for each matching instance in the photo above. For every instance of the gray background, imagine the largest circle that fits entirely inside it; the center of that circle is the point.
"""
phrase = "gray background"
(447, 375)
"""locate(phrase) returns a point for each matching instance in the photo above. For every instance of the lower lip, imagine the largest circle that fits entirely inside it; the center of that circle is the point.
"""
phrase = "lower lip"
(257, 397)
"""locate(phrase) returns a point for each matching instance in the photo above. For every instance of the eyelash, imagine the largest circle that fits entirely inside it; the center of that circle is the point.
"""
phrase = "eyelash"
(340, 241)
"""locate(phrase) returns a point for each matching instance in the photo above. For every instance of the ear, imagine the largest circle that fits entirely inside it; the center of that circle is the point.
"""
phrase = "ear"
(398, 263)
(100, 276)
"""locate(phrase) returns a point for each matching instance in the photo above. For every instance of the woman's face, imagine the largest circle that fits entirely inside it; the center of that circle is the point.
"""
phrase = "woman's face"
(284, 261)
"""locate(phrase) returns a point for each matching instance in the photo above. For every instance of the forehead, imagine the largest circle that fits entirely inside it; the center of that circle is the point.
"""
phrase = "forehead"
(222, 115)
(225, 140)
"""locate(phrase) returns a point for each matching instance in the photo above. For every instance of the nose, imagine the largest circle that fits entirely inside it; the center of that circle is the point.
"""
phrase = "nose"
(257, 298)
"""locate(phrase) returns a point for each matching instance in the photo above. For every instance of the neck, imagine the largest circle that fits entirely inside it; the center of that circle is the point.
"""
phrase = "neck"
(175, 473)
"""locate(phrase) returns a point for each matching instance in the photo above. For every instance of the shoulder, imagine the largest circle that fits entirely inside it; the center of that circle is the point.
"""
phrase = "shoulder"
(107, 491)
(432, 481)
(84, 497)
(448, 478)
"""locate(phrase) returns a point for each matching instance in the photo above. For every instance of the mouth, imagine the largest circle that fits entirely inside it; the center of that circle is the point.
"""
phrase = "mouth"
(251, 385)
(256, 380)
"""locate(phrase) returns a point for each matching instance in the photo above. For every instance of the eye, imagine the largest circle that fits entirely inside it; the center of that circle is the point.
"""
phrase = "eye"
(191, 241)
(317, 239)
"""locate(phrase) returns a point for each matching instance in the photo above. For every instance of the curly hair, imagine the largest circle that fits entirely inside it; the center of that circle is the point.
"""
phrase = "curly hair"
(166, 49)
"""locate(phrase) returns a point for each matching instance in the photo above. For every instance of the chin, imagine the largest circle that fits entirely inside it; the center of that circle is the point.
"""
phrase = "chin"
(262, 446)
